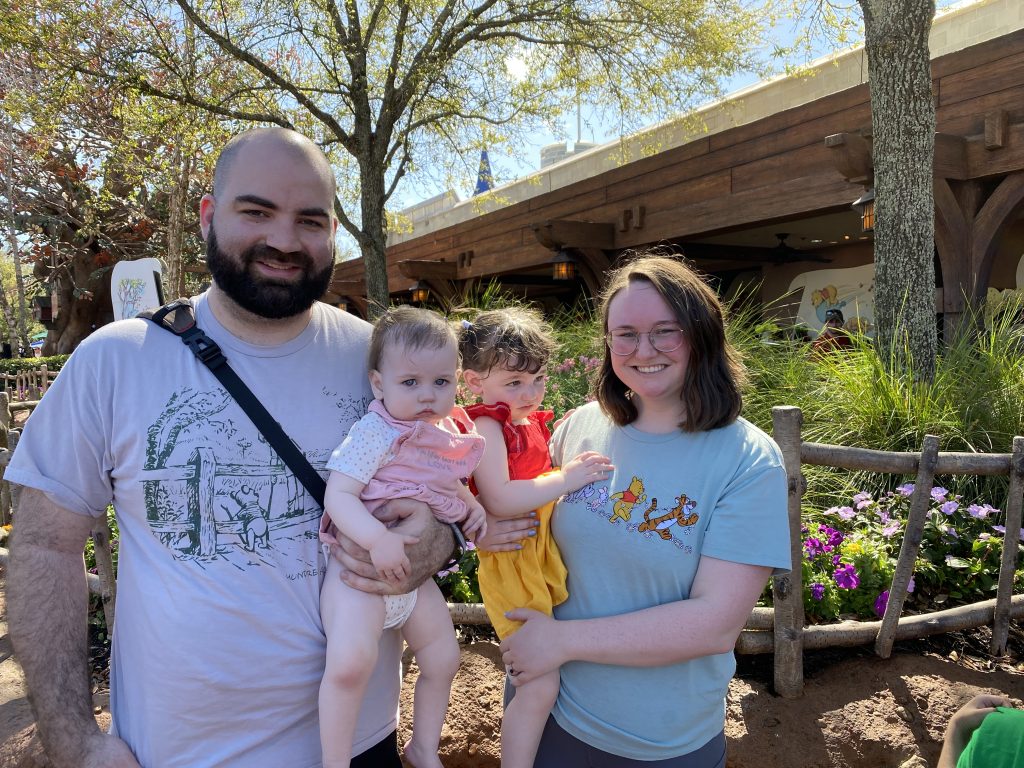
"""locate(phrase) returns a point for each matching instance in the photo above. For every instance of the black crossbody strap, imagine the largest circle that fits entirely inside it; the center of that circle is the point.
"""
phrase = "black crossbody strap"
(179, 318)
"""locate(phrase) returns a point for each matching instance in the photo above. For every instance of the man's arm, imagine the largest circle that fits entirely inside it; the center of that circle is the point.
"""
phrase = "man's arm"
(428, 556)
(47, 602)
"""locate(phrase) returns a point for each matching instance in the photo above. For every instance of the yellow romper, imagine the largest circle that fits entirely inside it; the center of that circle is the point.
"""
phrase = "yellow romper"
(534, 576)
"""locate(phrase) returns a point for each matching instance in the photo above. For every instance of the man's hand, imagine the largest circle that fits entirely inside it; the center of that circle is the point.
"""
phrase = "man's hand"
(426, 557)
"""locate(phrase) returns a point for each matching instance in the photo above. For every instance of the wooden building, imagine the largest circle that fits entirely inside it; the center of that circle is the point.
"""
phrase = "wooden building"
(756, 189)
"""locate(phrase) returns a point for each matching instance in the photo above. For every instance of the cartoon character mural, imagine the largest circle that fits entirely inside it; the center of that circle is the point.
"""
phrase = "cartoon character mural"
(850, 290)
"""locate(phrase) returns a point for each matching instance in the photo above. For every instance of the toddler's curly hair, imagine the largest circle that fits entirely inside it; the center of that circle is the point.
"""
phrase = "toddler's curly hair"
(515, 338)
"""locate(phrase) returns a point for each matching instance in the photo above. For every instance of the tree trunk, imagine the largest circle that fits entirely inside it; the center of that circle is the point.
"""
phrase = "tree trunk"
(174, 283)
(14, 316)
(903, 127)
(373, 241)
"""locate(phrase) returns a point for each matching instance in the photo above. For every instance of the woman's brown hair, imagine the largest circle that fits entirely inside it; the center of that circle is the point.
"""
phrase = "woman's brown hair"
(714, 373)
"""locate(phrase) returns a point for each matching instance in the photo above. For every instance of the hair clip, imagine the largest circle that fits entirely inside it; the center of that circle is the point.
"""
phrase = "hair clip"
(466, 325)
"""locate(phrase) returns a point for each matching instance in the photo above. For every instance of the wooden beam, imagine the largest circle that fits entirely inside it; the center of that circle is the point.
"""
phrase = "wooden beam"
(851, 156)
(428, 269)
(951, 157)
(348, 288)
(565, 233)
(996, 124)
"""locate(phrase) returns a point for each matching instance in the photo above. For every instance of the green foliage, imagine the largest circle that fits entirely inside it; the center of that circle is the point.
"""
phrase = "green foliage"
(459, 583)
(850, 552)
(97, 619)
(18, 364)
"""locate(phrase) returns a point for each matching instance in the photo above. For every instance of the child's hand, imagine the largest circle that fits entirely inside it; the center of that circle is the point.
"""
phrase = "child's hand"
(585, 469)
(388, 555)
(475, 525)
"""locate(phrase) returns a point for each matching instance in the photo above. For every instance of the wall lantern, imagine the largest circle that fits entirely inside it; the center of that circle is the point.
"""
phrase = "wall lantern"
(419, 293)
(563, 266)
(865, 205)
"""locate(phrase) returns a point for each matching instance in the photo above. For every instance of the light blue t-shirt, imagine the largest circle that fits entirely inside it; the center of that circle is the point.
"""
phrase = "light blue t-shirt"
(634, 541)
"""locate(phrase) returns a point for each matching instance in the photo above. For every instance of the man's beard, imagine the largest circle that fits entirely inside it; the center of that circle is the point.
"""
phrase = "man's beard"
(260, 296)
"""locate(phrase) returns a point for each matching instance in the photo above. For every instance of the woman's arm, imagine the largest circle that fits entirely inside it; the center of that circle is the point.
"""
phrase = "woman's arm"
(707, 623)
(506, 498)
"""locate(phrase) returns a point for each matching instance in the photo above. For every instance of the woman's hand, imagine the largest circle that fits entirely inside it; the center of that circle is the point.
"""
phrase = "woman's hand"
(536, 648)
(505, 534)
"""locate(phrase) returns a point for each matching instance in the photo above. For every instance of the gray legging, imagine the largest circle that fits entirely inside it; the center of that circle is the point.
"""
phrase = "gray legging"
(559, 749)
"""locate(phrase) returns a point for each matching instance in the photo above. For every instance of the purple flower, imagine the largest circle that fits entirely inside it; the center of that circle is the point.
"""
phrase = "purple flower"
(984, 536)
(836, 558)
(906, 489)
(881, 602)
(949, 507)
(814, 547)
(951, 532)
(817, 590)
(847, 513)
(977, 511)
(862, 499)
(939, 493)
(890, 529)
(835, 538)
(832, 511)
(1000, 529)
(804, 529)
(910, 584)
(846, 576)
(883, 515)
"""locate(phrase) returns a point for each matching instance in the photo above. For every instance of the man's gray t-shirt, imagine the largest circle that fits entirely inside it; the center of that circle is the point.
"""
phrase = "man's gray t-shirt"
(218, 646)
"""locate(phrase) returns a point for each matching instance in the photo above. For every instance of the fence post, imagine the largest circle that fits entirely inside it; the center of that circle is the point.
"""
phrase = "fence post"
(44, 382)
(910, 547)
(1008, 564)
(105, 567)
(13, 490)
(6, 417)
(787, 589)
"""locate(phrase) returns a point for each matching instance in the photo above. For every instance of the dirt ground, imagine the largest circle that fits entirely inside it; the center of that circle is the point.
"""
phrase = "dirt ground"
(857, 711)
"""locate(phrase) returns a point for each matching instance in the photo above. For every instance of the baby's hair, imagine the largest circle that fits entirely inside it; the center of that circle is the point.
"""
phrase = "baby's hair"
(411, 327)
(515, 338)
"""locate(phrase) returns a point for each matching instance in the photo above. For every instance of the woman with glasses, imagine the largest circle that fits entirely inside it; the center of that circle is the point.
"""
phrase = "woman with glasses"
(667, 556)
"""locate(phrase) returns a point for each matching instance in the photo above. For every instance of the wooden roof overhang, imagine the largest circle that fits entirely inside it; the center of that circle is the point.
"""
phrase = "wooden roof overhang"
(808, 161)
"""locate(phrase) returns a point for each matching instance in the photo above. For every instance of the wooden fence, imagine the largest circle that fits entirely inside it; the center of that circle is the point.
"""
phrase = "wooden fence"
(779, 630)
(27, 385)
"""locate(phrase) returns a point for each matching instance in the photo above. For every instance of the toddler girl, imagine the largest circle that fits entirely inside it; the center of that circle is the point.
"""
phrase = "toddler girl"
(504, 354)
(407, 446)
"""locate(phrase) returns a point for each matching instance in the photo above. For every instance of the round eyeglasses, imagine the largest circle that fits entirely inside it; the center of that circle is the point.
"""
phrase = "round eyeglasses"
(627, 342)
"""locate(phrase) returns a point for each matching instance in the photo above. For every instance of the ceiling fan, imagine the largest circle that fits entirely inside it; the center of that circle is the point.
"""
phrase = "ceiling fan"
(784, 253)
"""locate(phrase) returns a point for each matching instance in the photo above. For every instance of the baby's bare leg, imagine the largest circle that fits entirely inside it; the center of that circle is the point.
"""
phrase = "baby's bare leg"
(353, 622)
(524, 719)
(431, 637)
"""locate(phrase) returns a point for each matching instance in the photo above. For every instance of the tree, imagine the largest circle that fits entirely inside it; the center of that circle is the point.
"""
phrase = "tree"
(903, 146)
(93, 174)
(391, 86)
